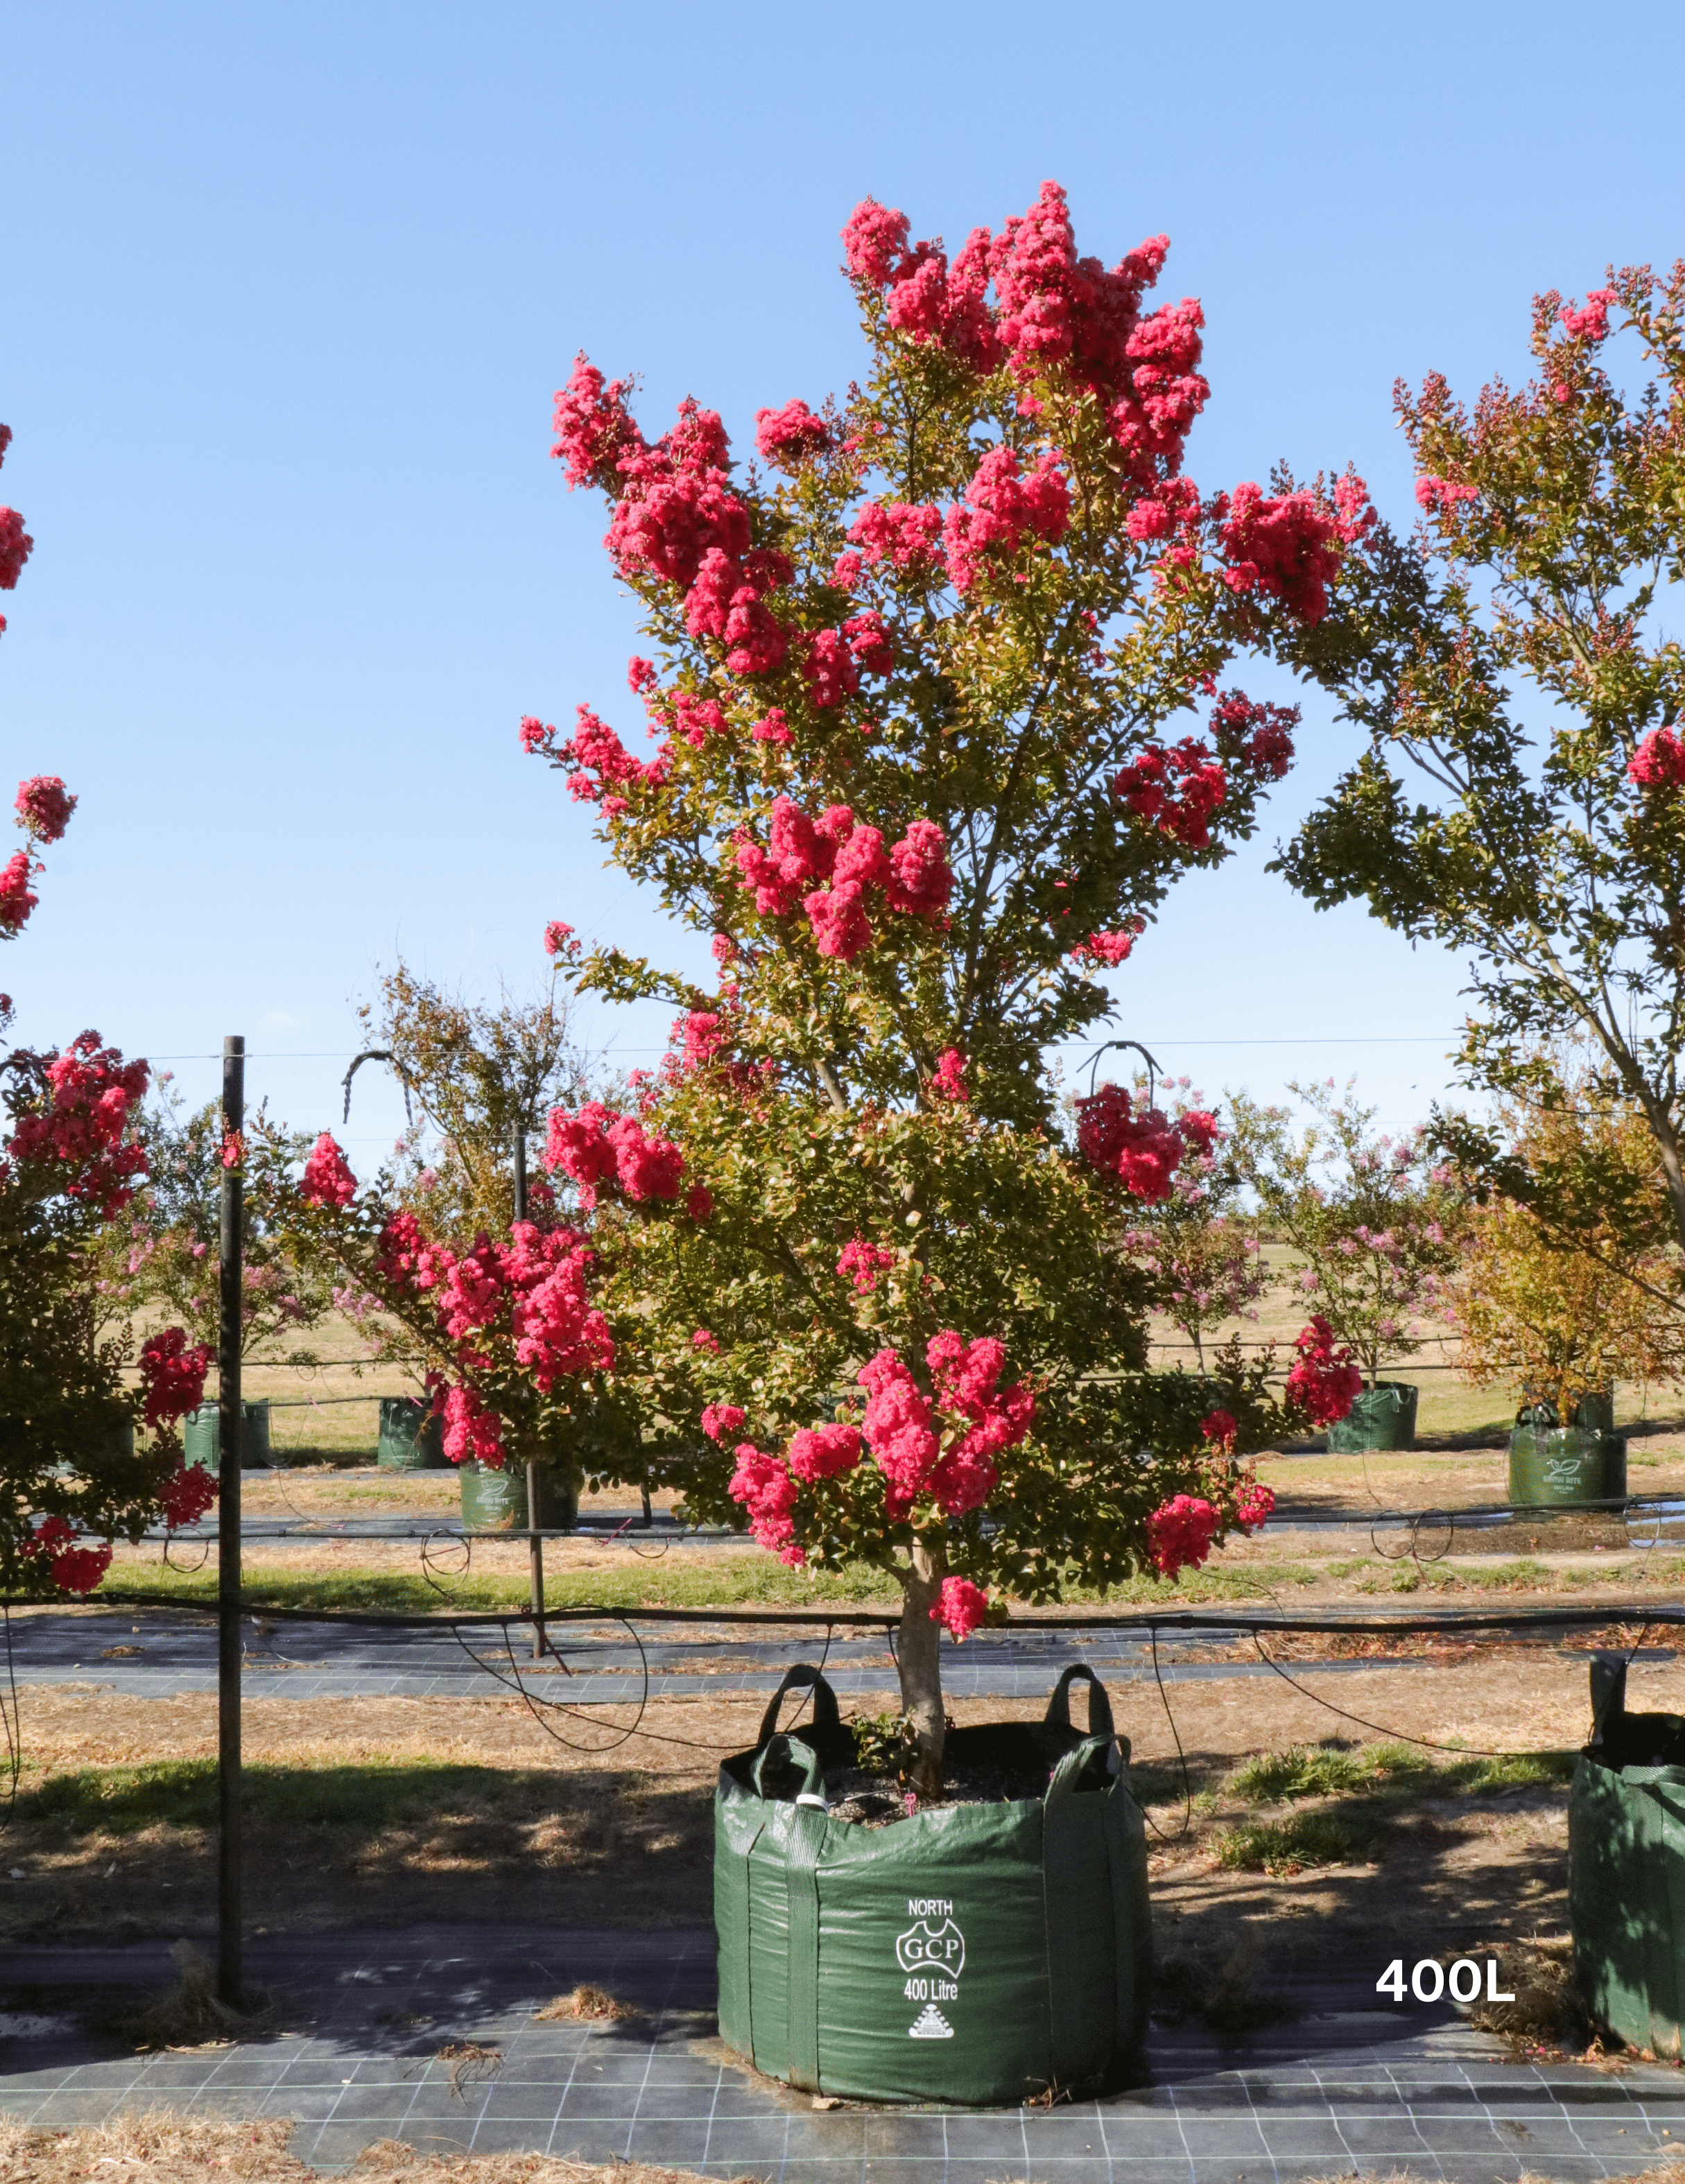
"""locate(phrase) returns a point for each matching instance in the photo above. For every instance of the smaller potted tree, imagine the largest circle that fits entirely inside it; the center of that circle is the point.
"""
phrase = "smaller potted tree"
(477, 1080)
(1372, 1219)
(163, 1255)
(1565, 1308)
(1196, 1246)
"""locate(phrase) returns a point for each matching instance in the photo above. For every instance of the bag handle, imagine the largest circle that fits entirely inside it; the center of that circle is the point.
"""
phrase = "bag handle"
(1063, 1782)
(800, 1754)
(826, 1718)
(1099, 1705)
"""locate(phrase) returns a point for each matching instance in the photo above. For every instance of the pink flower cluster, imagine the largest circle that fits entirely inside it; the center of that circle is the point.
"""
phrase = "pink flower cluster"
(597, 1146)
(559, 940)
(1442, 494)
(823, 1451)
(186, 1494)
(1142, 1149)
(473, 1433)
(17, 897)
(1590, 324)
(768, 1491)
(947, 1079)
(900, 1429)
(602, 766)
(908, 534)
(1290, 547)
(1253, 1506)
(1052, 309)
(1001, 508)
(1180, 1533)
(172, 1376)
(1659, 762)
(1220, 1430)
(1110, 949)
(721, 1419)
(15, 542)
(1178, 788)
(1256, 735)
(962, 1607)
(913, 874)
(74, 1570)
(43, 807)
(863, 1263)
(790, 435)
(676, 516)
(91, 1089)
(1325, 1383)
(328, 1180)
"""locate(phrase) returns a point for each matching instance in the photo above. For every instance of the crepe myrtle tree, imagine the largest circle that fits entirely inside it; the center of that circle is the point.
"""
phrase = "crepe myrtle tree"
(936, 720)
(70, 1477)
(1372, 1216)
(1196, 1245)
(515, 1353)
(1521, 797)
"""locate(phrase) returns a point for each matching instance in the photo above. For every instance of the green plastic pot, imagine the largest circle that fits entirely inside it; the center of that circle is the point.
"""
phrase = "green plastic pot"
(1381, 1416)
(1565, 1466)
(495, 1501)
(971, 1953)
(411, 1436)
(1627, 1868)
(200, 1441)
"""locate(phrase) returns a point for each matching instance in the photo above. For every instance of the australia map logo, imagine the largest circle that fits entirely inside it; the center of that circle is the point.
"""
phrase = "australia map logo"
(932, 1954)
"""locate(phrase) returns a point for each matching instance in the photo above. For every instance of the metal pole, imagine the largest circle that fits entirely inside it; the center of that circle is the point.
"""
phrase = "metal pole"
(229, 1983)
(535, 1544)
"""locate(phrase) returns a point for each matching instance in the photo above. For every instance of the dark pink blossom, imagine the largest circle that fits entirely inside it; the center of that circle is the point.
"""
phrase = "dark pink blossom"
(789, 436)
(326, 1180)
(1001, 508)
(720, 1419)
(962, 1607)
(863, 1263)
(172, 1376)
(1180, 1533)
(43, 807)
(947, 1079)
(1590, 324)
(818, 1452)
(16, 898)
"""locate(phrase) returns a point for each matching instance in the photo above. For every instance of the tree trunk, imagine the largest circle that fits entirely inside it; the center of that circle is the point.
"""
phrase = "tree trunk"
(919, 1656)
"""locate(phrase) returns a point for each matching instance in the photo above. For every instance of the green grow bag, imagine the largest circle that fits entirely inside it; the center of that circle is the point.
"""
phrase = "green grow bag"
(1584, 1461)
(495, 1501)
(411, 1437)
(1382, 1417)
(199, 1436)
(972, 1953)
(1627, 1868)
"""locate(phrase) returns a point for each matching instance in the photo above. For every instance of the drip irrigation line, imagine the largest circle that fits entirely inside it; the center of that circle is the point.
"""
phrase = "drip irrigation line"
(1187, 1786)
(1444, 1621)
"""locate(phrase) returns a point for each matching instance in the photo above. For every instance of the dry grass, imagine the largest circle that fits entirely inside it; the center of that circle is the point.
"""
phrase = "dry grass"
(163, 2148)
(587, 2002)
(188, 2013)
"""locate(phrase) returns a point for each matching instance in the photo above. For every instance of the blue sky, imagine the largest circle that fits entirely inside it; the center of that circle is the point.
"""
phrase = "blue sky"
(286, 293)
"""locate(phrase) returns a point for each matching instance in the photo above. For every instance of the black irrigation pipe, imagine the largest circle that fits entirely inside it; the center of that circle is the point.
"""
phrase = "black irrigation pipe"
(1448, 1619)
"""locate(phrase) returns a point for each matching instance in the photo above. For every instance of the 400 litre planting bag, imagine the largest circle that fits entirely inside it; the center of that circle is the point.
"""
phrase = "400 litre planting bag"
(1627, 1868)
(971, 1953)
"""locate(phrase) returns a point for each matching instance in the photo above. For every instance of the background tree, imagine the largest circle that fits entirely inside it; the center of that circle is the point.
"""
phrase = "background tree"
(1196, 1246)
(162, 1253)
(476, 1075)
(1569, 1309)
(1522, 796)
(936, 724)
(1372, 1217)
